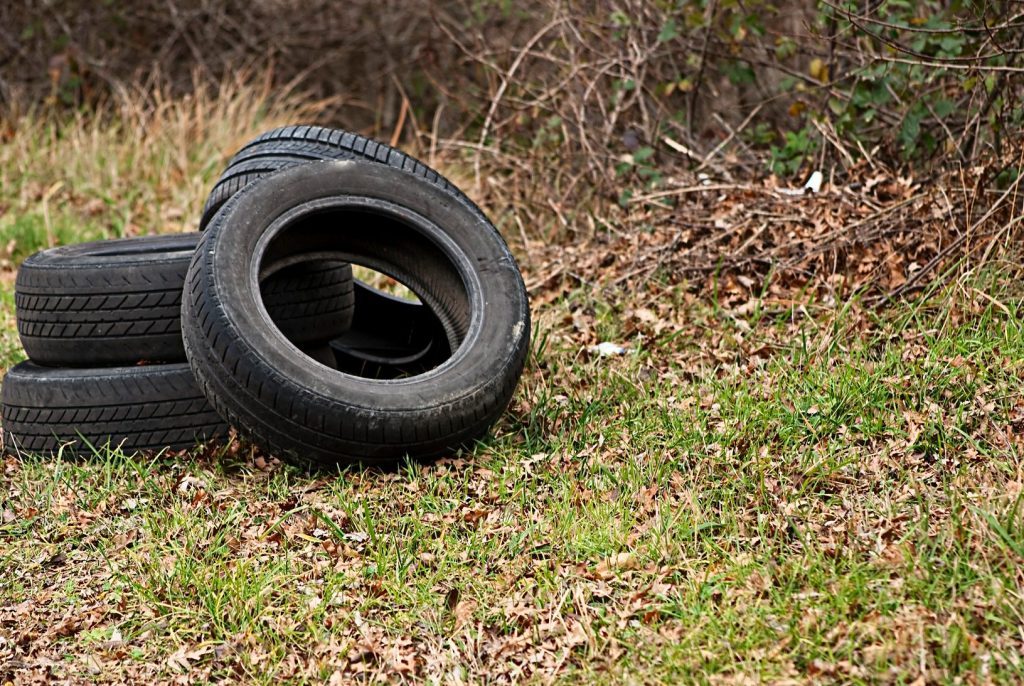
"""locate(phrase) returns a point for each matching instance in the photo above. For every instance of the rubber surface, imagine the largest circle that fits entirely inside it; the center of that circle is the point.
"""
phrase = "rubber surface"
(119, 301)
(288, 146)
(384, 341)
(139, 408)
(390, 337)
(438, 244)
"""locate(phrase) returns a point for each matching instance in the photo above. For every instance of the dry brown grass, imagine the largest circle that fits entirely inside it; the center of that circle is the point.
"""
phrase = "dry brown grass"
(143, 164)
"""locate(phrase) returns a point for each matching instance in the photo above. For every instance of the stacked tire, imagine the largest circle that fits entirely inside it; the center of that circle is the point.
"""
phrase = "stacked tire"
(256, 321)
(101, 325)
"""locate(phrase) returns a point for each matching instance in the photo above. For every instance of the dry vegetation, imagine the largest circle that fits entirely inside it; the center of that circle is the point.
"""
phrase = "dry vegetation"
(806, 466)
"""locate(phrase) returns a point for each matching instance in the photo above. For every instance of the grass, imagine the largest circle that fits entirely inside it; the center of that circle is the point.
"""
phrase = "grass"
(846, 506)
(145, 166)
(747, 495)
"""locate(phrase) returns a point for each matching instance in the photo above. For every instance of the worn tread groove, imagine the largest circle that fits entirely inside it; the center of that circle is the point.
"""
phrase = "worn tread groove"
(148, 407)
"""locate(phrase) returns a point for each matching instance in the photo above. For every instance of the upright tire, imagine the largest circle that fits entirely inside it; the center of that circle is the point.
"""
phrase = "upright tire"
(119, 301)
(49, 410)
(441, 247)
(368, 348)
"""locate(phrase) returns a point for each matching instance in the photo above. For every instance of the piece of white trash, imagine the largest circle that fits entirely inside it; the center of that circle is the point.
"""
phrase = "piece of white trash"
(814, 183)
(607, 349)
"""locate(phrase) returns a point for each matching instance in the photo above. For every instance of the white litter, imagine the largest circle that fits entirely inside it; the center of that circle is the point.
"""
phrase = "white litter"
(814, 183)
(608, 349)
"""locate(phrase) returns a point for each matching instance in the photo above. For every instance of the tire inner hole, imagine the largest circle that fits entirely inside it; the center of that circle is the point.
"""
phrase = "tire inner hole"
(398, 273)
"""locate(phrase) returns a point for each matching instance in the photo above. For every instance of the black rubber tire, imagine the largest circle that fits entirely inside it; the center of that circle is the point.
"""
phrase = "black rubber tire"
(384, 341)
(267, 388)
(310, 302)
(390, 337)
(139, 408)
(288, 146)
(118, 302)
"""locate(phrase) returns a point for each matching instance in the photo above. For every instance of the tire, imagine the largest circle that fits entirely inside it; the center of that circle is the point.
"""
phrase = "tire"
(288, 146)
(311, 302)
(118, 302)
(389, 338)
(49, 410)
(369, 348)
(268, 389)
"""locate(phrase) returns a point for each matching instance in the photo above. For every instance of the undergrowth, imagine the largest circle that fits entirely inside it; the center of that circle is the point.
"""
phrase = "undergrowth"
(765, 496)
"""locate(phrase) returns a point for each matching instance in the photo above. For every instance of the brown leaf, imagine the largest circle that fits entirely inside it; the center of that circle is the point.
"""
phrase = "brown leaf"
(617, 563)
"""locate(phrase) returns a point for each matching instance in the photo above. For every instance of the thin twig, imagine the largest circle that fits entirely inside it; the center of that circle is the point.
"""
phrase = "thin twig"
(673, 192)
(691, 104)
(733, 132)
(506, 79)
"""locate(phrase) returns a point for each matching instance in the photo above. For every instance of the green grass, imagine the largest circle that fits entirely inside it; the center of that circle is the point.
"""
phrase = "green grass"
(823, 498)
